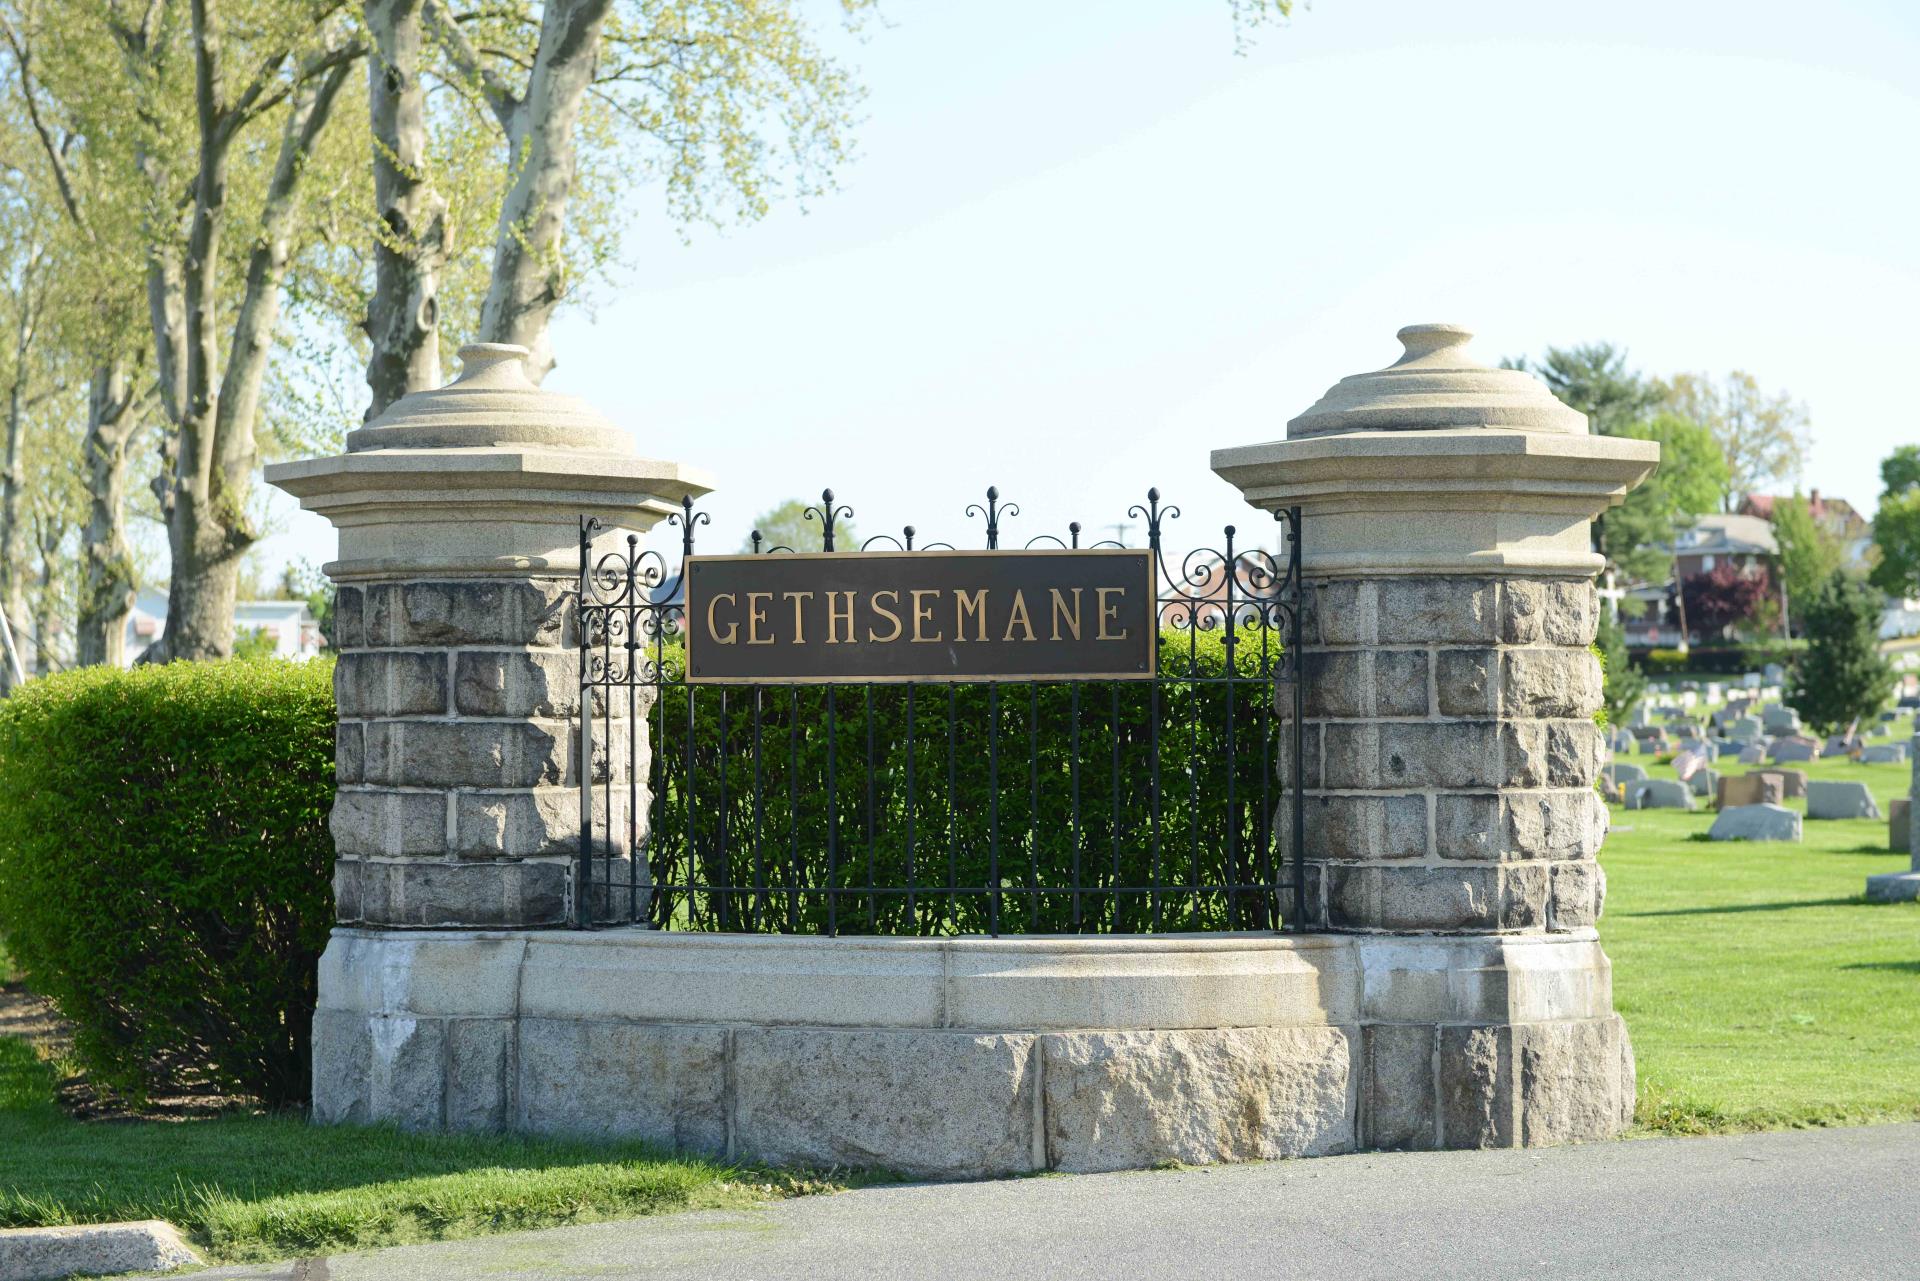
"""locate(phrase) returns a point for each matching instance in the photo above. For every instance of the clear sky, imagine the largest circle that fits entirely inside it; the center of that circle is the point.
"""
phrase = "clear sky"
(1085, 243)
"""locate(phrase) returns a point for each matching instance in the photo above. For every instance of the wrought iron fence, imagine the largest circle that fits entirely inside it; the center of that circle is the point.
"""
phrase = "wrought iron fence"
(1084, 806)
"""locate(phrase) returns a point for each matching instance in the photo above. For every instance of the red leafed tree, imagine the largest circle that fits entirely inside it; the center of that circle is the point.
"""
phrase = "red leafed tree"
(1725, 596)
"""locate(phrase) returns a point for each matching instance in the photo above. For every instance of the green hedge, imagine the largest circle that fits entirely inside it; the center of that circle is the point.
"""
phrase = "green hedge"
(1209, 815)
(165, 867)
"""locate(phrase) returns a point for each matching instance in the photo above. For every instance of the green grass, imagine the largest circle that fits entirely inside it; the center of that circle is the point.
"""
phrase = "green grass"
(1760, 987)
(256, 1187)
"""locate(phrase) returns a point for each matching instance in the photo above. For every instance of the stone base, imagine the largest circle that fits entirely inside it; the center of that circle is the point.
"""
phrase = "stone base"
(976, 1057)
(1893, 887)
(92, 1249)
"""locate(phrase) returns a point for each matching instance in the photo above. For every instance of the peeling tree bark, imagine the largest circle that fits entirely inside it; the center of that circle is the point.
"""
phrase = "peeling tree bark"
(403, 316)
(527, 279)
(209, 527)
(107, 581)
(13, 533)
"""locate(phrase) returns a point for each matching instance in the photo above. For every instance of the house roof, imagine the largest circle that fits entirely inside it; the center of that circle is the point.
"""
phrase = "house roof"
(1719, 535)
(1840, 514)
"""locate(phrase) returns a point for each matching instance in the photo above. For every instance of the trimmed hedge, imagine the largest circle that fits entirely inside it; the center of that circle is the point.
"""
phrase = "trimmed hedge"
(165, 867)
(1210, 816)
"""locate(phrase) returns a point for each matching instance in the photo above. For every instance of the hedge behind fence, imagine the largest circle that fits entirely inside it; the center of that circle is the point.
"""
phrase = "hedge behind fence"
(1211, 815)
(165, 867)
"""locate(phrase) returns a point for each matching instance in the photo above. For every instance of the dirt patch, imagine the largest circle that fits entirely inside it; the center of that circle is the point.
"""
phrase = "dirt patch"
(31, 1018)
(25, 1015)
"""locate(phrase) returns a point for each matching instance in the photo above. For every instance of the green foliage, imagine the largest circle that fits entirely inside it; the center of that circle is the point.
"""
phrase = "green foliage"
(1896, 526)
(1594, 379)
(165, 867)
(1666, 662)
(1625, 684)
(1688, 482)
(1209, 815)
(1763, 435)
(1810, 554)
(789, 525)
(1842, 675)
(1900, 470)
(252, 644)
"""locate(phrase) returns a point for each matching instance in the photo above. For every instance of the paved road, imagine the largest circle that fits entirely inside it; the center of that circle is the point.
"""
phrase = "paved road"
(1824, 1204)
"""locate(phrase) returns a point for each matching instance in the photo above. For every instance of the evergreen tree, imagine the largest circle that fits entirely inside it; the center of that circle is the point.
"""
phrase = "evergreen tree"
(1625, 683)
(1842, 676)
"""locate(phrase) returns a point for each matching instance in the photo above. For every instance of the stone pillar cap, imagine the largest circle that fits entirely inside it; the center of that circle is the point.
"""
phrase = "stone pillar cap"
(1435, 384)
(492, 402)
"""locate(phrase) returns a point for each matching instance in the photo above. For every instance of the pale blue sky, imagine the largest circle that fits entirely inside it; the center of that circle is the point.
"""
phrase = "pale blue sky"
(1085, 244)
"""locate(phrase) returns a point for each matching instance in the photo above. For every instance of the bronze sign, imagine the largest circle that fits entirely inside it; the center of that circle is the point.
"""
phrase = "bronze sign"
(921, 616)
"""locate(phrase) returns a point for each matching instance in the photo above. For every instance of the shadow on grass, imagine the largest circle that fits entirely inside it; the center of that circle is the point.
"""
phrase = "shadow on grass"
(1896, 967)
(1855, 901)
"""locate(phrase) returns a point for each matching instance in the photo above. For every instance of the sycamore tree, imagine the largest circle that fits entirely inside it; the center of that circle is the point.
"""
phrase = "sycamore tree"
(1896, 525)
(208, 122)
(1763, 435)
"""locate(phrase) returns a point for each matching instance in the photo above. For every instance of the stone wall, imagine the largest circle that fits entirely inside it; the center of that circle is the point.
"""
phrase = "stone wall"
(458, 753)
(1450, 753)
(977, 1057)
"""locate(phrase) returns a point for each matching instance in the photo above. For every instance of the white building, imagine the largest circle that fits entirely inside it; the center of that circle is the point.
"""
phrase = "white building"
(291, 626)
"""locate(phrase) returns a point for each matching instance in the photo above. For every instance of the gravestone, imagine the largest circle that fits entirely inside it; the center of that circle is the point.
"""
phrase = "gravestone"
(1793, 782)
(1834, 800)
(1754, 755)
(1841, 745)
(1659, 794)
(1654, 746)
(1780, 720)
(1745, 727)
(1900, 825)
(1793, 749)
(1884, 754)
(1623, 772)
(1756, 823)
(1749, 789)
(1705, 782)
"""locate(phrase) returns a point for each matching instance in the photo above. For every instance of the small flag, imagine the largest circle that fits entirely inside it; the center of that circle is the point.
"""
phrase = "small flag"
(1689, 763)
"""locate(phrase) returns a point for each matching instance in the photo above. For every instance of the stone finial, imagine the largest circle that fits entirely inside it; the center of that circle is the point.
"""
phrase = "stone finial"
(1437, 384)
(491, 403)
(1440, 464)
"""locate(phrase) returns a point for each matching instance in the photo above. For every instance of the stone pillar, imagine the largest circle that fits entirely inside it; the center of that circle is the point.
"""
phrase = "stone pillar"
(1450, 744)
(457, 685)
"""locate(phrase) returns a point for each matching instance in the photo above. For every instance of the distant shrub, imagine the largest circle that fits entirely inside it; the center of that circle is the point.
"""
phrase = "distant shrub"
(165, 867)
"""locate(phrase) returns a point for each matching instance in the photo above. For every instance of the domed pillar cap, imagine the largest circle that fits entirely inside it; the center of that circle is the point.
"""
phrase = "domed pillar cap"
(1438, 464)
(492, 402)
(1436, 384)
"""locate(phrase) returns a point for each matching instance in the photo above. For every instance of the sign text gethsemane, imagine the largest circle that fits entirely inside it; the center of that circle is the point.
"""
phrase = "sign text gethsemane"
(921, 616)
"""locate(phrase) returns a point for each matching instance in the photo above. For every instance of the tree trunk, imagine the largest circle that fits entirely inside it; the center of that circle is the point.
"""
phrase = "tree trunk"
(210, 527)
(527, 278)
(52, 534)
(107, 579)
(13, 533)
(410, 251)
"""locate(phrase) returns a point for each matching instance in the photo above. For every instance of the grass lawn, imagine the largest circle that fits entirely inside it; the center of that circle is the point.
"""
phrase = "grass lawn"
(253, 1187)
(1760, 987)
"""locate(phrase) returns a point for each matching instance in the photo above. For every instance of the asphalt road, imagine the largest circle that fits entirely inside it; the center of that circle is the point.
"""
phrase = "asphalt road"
(1820, 1204)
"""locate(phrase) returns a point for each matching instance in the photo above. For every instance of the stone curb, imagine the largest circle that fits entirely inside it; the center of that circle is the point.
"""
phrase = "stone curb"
(94, 1249)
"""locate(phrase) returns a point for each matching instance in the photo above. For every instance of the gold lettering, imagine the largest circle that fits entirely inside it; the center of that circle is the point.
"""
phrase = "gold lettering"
(1060, 612)
(923, 613)
(755, 617)
(887, 614)
(1109, 611)
(733, 629)
(799, 624)
(1019, 615)
(976, 605)
(836, 616)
